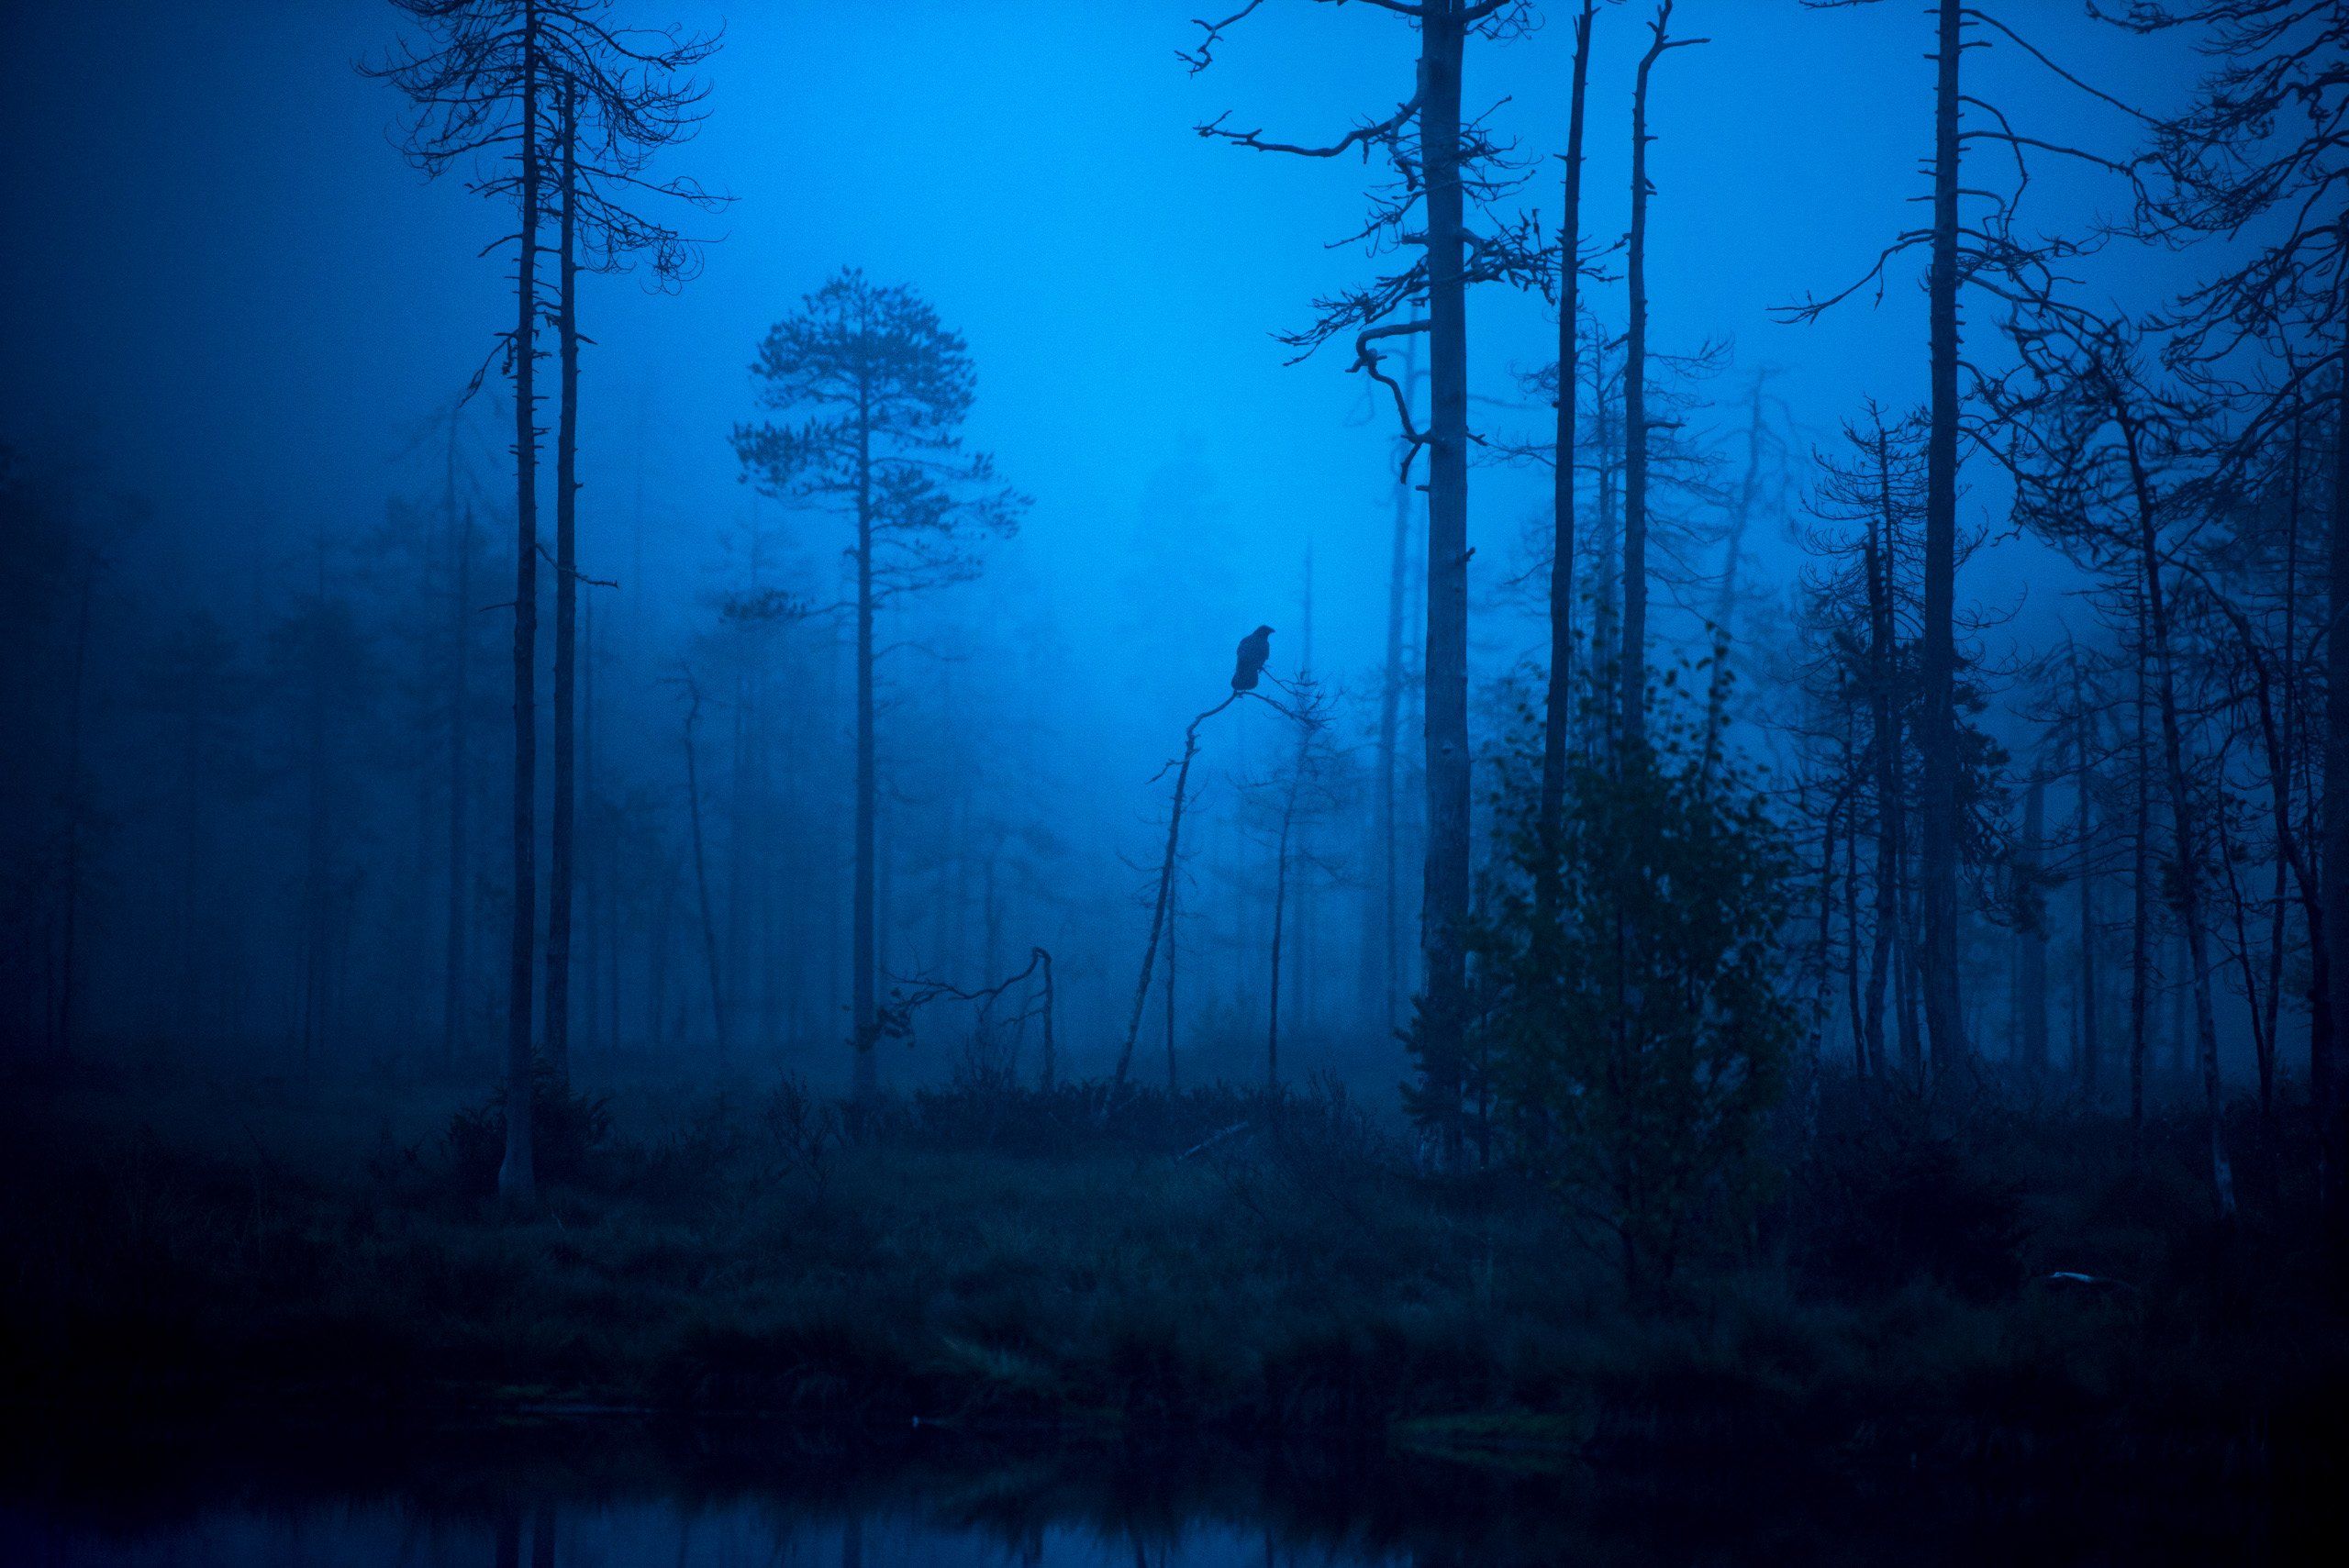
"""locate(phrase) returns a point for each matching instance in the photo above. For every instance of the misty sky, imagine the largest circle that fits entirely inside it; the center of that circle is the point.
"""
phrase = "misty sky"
(222, 277)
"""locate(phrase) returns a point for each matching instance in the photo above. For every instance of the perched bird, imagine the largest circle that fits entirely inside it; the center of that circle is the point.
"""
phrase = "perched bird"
(1255, 649)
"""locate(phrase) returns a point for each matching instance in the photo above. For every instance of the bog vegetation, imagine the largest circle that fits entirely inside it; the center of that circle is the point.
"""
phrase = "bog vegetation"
(1706, 978)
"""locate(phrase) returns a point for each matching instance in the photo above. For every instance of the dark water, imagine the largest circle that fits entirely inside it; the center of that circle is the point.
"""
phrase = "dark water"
(616, 1495)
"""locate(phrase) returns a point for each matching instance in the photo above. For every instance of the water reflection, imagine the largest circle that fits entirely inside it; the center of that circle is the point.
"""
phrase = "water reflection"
(599, 1497)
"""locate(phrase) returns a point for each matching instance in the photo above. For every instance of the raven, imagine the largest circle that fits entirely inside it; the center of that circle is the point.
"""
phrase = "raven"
(1255, 649)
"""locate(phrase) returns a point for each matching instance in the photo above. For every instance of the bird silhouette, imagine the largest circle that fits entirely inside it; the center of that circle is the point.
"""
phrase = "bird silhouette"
(1255, 649)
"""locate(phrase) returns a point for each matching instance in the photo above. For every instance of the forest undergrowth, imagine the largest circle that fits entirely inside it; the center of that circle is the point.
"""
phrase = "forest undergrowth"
(1956, 1281)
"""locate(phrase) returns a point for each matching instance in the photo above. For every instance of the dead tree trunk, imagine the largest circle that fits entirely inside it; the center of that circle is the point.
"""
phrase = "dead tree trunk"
(517, 1177)
(1741, 520)
(1937, 663)
(1632, 667)
(1444, 907)
(1391, 708)
(2141, 934)
(457, 958)
(1174, 946)
(2090, 1065)
(864, 987)
(564, 815)
(1280, 910)
(2326, 1076)
(1889, 783)
(1165, 900)
(2188, 892)
(1559, 708)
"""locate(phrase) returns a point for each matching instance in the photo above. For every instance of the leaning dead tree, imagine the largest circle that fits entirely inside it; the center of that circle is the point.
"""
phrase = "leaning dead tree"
(1169, 861)
(1440, 165)
(1304, 795)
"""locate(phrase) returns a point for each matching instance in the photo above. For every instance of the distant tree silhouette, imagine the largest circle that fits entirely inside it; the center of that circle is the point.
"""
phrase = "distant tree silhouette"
(875, 390)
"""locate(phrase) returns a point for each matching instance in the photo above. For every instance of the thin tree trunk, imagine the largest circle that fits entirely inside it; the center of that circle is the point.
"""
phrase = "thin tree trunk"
(1174, 946)
(1938, 652)
(2328, 1089)
(701, 874)
(1444, 907)
(1912, 1033)
(2141, 935)
(1633, 667)
(2262, 1037)
(1052, 1061)
(2091, 1061)
(1280, 913)
(566, 609)
(454, 961)
(658, 942)
(316, 848)
(1390, 705)
(517, 1177)
(1877, 563)
(2031, 970)
(1606, 591)
(2280, 765)
(1741, 519)
(1272, 1011)
(1558, 712)
(2188, 892)
(596, 932)
(1164, 903)
(1861, 1061)
(865, 1002)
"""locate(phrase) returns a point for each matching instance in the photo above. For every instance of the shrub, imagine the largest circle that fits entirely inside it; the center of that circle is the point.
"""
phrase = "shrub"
(568, 1129)
(1637, 1018)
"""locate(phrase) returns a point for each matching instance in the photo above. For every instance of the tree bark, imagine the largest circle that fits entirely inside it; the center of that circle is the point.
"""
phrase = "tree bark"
(1937, 663)
(564, 817)
(1164, 903)
(454, 960)
(2185, 868)
(1174, 946)
(864, 979)
(1890, 785)
(517, 1177)
(1559, 710)
(2091, 1061)
(1443, 1019)
(1280, 912)
(2140, 935)
(2325, 1068)
(1633, 666)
